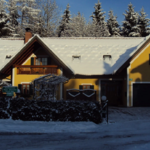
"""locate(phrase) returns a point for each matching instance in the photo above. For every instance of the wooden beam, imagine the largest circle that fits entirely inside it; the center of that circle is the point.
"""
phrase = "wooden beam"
(35, 66)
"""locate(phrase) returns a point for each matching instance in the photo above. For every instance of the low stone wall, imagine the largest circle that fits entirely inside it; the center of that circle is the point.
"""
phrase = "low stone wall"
(43, 110)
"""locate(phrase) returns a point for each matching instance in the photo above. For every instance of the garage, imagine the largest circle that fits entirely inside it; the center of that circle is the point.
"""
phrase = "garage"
(141, 94)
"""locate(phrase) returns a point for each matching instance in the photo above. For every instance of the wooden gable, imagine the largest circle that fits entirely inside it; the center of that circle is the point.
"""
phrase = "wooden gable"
(33, 46)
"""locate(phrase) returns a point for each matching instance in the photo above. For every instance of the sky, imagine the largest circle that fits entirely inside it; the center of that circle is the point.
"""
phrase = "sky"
(86, 7)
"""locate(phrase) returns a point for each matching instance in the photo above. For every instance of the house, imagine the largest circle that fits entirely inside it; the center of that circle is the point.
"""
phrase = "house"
(116, 67)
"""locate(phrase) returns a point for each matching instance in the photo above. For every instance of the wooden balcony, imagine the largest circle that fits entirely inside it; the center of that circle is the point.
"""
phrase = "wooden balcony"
(36, 69)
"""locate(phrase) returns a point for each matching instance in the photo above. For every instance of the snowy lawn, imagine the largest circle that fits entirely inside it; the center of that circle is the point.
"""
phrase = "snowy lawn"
(119, 118)
(128, 129)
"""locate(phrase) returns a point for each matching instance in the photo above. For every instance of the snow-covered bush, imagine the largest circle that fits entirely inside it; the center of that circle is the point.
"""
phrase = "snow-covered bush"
(43, 110)
(3, 109)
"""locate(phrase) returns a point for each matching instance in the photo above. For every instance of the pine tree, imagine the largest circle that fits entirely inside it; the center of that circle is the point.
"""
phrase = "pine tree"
(5, 28)
(144, 23)
(130, 25)
(64, 29)
(78, 24)
(100, 26)
(113, 25)
(13, 13)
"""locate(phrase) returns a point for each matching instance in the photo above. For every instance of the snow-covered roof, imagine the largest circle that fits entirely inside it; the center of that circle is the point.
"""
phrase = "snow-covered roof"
(83, 56)
(9, 47)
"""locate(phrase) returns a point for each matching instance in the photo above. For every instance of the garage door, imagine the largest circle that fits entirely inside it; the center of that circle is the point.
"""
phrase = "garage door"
(141, 94)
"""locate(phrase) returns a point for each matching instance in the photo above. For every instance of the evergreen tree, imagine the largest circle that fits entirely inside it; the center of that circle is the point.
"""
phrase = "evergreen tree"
(64, 29)
(13, 13)
(130, 25)
(100, 26)
(5, 28)
(78, 24)
(144, 23)
(113, 25)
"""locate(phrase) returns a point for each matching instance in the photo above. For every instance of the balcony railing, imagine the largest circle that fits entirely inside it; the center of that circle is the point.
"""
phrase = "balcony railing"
(36, 69)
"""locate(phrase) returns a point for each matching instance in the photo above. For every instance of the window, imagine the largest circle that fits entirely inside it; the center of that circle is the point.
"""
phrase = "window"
(86, 86)
(25, 89)
(44, 61)
(87, 89)
(41, 61)
(37, 61)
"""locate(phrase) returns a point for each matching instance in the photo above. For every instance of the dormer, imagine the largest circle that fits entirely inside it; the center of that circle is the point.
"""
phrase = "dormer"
(107, 57)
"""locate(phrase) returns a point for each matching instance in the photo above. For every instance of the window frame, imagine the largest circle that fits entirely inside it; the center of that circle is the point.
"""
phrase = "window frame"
(35, 58)
(22, 92)
(86, 85)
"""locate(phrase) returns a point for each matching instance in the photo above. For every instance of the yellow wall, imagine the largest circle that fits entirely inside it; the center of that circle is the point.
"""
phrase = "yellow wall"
(18, 78)
(74, 84)
(139, 70)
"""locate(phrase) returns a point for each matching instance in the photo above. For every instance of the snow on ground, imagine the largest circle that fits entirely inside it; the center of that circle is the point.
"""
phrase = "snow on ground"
(127, 129)
(118, 117)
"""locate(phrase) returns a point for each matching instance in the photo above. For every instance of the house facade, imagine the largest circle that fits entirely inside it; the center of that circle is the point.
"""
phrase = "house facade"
(115, 67)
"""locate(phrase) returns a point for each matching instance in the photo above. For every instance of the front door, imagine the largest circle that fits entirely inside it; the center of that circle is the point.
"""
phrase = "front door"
(113, 91)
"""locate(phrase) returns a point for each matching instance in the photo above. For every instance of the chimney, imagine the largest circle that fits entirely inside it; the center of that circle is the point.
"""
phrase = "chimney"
(28, 35)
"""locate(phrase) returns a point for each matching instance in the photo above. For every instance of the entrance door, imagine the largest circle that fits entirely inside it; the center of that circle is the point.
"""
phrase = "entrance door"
(141, 94)
(113, 91)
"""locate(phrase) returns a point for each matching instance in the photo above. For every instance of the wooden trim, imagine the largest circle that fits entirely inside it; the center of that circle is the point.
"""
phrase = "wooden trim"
(27, 50)
(37, 69)
(8, 71)
(27, 53)
(35, 66)
(149, 59)
(8, 68)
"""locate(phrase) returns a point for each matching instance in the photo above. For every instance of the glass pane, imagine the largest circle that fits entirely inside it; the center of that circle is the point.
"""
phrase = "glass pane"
(38, 61)
(24, 88)
(84, 86)
(88, 86)
(44, 61)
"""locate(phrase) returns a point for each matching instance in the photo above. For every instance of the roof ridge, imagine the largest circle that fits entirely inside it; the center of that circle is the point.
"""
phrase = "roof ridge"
(92, 37)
